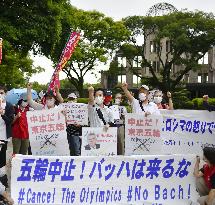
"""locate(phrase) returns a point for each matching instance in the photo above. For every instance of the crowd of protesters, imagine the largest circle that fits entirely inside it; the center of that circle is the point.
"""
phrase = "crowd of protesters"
(13, 123)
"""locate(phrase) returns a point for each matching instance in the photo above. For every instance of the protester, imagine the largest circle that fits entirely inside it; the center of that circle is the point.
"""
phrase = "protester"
(158, 98)
(51, 100)
(74, 132)
(99, 114)
(205, 177)
(120, 124)
(20, 136)
(206, 105)
(108, 98)
(6, 119)
(4, 195)
(142, 105)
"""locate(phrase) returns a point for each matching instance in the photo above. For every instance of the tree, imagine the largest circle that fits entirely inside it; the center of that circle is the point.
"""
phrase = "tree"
(100, 36)
(15, 69)
(190, 36)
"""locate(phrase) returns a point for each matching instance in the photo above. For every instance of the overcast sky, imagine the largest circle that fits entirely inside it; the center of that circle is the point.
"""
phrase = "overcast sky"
(118, 9)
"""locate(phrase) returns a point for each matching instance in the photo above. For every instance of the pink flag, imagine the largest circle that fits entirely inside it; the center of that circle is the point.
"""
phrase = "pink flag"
(65, 56)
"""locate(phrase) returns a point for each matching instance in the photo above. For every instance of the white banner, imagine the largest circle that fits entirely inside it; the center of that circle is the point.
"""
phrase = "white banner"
(47, 132)
(142, 134)
(163, 180)
(97, 141)
(76, 113)
(187, 131)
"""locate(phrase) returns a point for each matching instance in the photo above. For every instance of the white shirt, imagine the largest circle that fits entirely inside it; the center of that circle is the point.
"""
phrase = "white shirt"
(3, 134)
(150, 107)
(95, 121)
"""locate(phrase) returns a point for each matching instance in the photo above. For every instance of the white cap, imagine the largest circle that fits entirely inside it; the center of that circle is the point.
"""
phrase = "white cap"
(72, 95)
(145, 87)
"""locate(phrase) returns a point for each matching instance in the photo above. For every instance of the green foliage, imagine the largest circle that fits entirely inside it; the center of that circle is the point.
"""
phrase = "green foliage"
(38, 87)
(191, 35)
(83, 100)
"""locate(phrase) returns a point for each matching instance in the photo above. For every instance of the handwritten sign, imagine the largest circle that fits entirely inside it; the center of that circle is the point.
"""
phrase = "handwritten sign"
(142, 134)
(76, 113)
(47, 132)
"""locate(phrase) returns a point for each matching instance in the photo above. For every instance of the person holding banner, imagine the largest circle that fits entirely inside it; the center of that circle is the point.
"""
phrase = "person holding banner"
(142, 105)
(51, 100)
(74, 132)
(206, 105)
(99, 114)
(20, 127)
(158, 98)
(205, 177)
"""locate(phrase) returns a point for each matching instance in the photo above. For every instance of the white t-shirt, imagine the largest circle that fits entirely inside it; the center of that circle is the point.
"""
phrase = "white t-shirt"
(150, 107)
(95, 121)
(3, 134)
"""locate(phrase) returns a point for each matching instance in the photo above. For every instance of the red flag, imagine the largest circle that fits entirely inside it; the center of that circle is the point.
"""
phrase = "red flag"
(65, 56)
(1, 42)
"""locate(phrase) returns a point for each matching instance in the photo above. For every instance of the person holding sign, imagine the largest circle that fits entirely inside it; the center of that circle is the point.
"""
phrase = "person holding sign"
(73, 132)
(51, 100)
(205, 177)
(142, 105)
(20, 127)
(158, 97)
(99, 114)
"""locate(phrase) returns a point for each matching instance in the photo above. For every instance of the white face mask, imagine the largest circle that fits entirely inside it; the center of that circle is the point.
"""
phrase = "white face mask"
(3, 105)
(50, 102)
(142, 96)
(117, 101)
(158, 99)
(99, 100)
(24, 104)
(2, 97)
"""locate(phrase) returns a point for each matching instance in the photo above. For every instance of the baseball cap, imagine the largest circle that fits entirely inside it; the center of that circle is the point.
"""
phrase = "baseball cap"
(144, 87)
(72, 95)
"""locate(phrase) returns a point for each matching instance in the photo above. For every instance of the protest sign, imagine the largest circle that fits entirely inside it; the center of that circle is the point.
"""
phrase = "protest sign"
(115, 111)
(76, 113)
(187, 131)
(97, 141)
(47, 132)
(142, 134)
(161, 180)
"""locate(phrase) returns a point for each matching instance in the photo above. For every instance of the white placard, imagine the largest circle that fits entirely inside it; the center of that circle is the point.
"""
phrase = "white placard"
(76, 113)
(97, 141)
(142, 134)
(47, 132)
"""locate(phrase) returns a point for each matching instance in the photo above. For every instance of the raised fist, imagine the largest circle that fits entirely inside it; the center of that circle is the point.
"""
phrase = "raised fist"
(124, 86)
(91, 89)
(205, 98)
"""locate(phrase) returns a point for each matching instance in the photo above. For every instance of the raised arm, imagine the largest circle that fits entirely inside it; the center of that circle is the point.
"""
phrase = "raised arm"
(91, 95)
(127, 93)
(33, 104)
(196, 172)
(58, 95)
(169, 95)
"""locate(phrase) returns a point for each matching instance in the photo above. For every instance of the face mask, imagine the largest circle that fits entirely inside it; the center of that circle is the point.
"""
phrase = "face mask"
(99, 100)
(157, 100)
(2, 97)
(142, 96)
(50, 103)
(24, 104)
(117, 101)
(3, 105)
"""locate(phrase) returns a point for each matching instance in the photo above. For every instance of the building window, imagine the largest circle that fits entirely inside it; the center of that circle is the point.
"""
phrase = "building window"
(121, 78)
(152, 47)
(137, 62)
(121, 61)
(136, 81)
(203, 60)
(199, 78)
